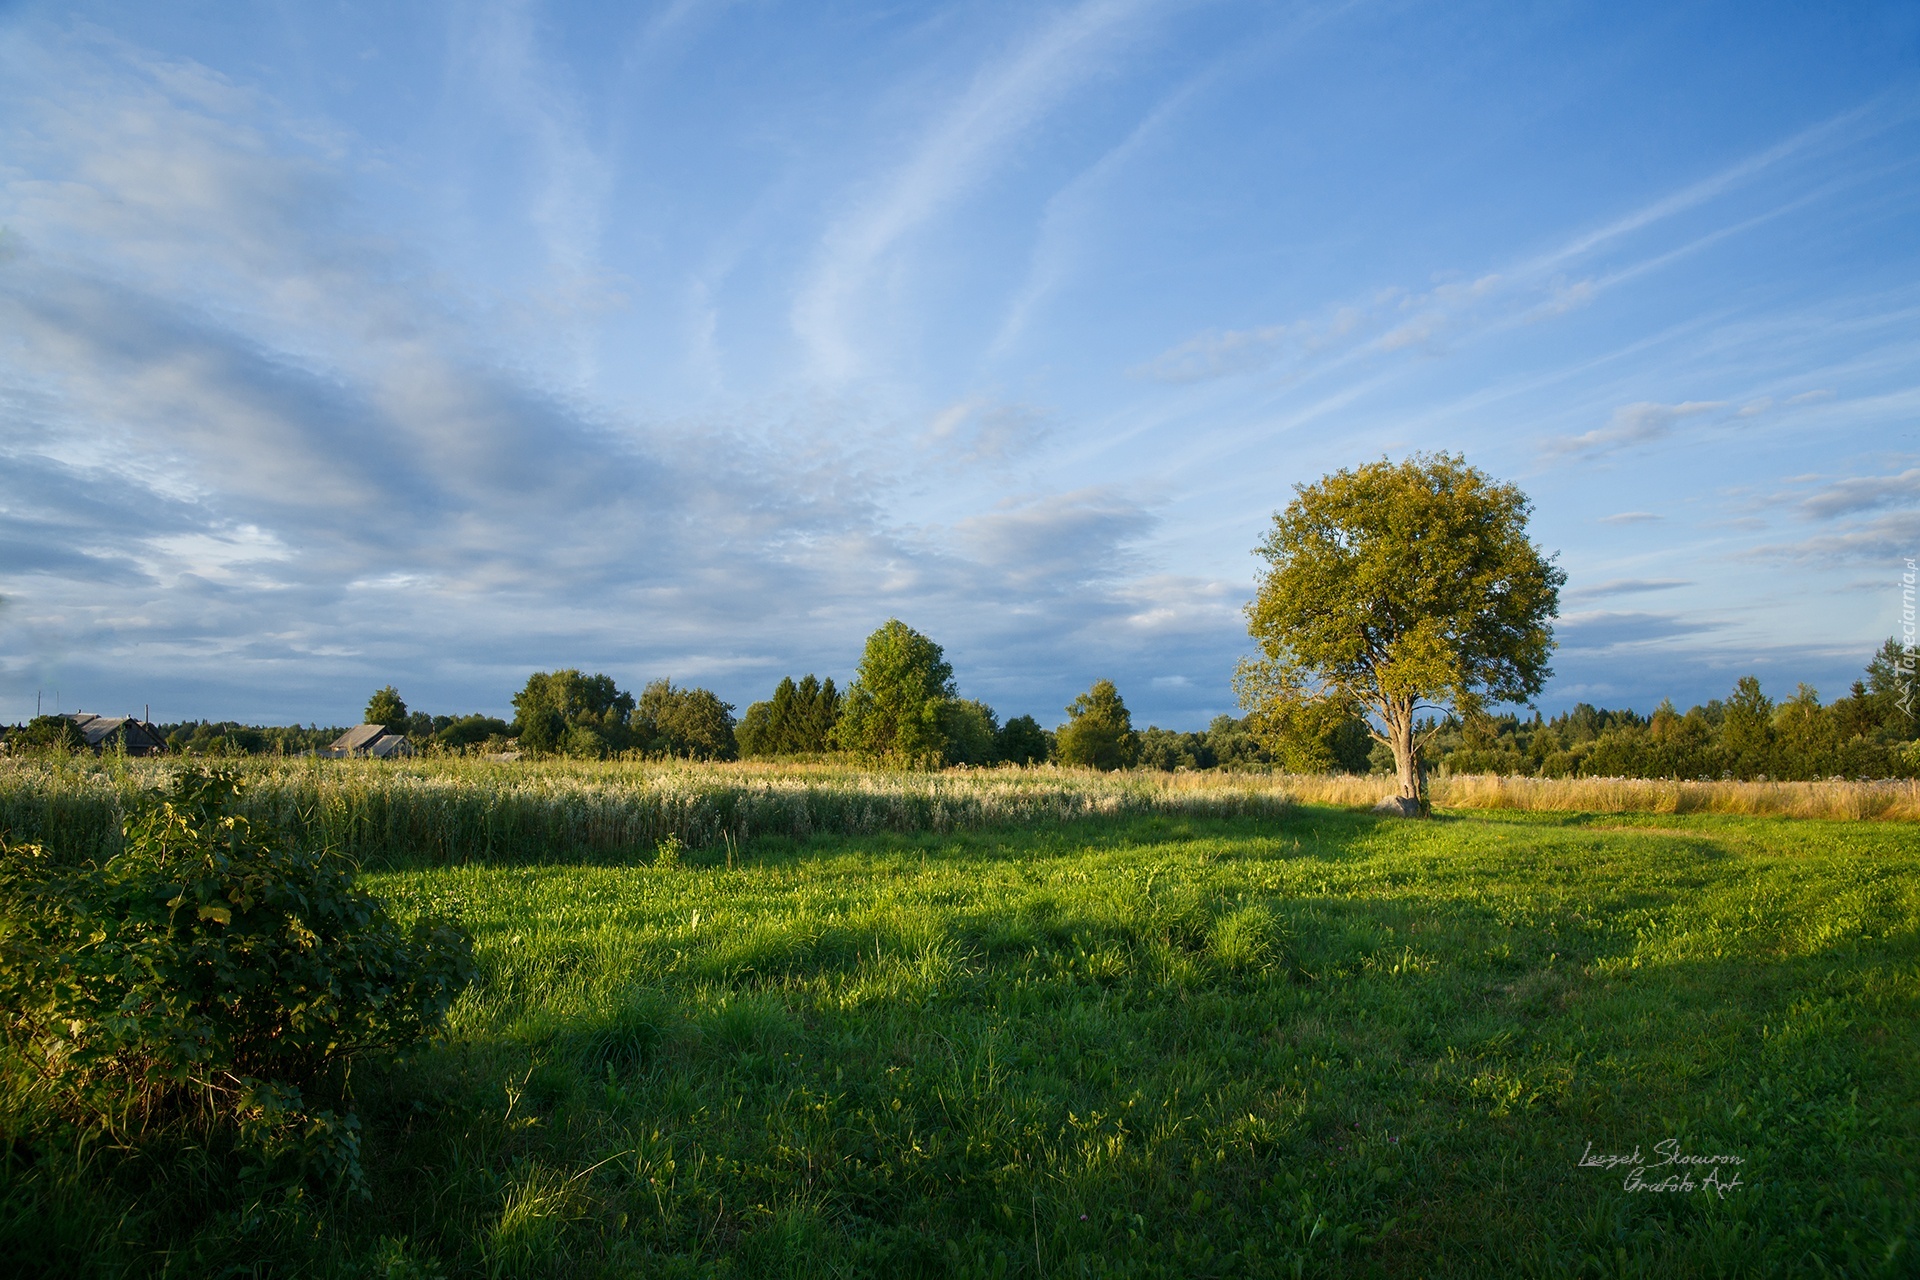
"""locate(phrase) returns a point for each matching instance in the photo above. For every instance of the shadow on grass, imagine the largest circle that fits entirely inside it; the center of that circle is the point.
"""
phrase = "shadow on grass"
(1154, 1046)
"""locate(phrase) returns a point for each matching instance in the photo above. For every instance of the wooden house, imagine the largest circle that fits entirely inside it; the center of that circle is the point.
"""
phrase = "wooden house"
(112, 733)
(369, 740)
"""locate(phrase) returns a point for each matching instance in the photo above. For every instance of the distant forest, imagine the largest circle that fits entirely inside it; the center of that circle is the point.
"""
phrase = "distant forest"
(1871, 732)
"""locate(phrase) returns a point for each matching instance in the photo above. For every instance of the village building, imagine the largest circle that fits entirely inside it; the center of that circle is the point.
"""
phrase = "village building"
(113, 733)
(369, 740)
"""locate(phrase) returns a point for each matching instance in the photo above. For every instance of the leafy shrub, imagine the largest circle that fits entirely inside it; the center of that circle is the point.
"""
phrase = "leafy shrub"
(205, 974)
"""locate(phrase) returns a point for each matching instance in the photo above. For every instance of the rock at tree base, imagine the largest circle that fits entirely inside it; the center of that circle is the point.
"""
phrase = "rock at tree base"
(1399, 806)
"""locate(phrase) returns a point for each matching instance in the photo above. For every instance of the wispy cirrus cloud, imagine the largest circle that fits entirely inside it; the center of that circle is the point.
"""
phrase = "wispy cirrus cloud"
(1535, 288)
(962, 145)
(1865, 519)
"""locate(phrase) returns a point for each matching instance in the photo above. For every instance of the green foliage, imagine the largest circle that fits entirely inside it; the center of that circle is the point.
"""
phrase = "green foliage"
(1021, 740)
(1893, 687)
(229, 739)
(1099, 732)
(203, 974)
(895, 711)
(385, 707)
(1748, 737)
(554, 703)
(583, 742)
(683, 723)
(1168, 751)
(1234, 744)
(1393, 588)
(972, 732)
(466, 733)
(48, 733)
(799, 719)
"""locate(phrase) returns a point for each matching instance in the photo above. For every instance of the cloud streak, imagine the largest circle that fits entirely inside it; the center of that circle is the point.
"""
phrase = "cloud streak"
(1004, 100)
(1640, 423)
(1534, 289)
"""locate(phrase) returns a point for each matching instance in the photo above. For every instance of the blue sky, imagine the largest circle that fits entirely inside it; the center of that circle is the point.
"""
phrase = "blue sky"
(350, 344)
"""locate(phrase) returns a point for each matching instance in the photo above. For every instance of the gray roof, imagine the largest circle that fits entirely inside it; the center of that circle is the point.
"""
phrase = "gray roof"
(358, 739)
(99, 730)
(370, 740)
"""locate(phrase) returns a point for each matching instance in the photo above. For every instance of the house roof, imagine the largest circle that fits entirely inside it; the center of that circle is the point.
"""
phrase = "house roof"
(358, 738)
(100, 729)
(370, 740)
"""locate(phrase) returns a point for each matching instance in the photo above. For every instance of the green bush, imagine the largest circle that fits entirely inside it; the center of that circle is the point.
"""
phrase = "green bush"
(205, 976)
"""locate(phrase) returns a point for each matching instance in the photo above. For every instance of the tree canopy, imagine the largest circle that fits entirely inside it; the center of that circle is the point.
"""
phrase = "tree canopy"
(1393, 588)
(690, 723)
(1021, 740)
(1099, 730)
(565, 711)
(798, 720)
(895, 709)
(385, 707)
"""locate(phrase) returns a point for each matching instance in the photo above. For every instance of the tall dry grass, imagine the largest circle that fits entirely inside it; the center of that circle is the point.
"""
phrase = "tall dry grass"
(1894, 800)
(436, 812)
(432, 812)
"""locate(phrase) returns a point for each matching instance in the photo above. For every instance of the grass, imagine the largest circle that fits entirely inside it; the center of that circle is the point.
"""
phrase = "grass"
(451, 811)
(1299, 1041)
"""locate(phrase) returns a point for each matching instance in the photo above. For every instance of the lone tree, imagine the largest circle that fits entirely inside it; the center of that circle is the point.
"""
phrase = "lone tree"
(1393, 589)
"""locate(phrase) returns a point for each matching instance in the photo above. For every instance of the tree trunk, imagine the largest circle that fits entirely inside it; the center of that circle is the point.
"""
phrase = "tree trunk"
(1410, 771)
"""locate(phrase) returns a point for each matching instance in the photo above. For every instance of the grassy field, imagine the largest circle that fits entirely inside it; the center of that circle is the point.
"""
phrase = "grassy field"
(464, 810)
(1292, 1041)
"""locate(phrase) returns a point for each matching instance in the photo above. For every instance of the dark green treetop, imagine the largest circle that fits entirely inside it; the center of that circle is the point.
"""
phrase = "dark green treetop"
(1099, 730)
(895, 708)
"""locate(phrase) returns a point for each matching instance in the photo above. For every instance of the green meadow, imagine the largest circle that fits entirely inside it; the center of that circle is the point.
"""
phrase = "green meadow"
(1304, 1042)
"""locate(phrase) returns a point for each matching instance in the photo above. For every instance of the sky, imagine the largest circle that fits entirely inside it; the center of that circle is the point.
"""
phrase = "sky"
(435, 344)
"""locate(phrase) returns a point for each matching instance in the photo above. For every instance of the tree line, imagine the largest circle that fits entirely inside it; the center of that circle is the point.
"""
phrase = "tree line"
(1402, 601)
(902, 709)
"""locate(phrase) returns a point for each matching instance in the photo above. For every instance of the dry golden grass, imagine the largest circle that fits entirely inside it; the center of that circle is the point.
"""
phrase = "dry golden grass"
(1893, 800)
(452, 810)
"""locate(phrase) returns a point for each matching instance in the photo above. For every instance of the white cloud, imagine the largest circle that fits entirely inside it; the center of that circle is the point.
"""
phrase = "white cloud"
(217, 461)
(1639, 423)
(1863, 493)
